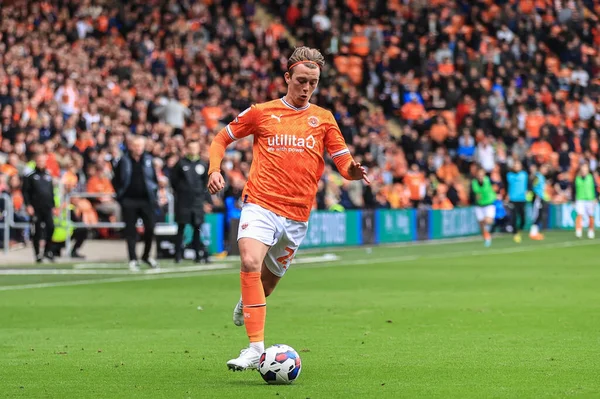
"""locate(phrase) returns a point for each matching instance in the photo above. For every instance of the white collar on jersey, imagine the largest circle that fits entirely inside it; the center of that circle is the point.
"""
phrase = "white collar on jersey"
(292, 107)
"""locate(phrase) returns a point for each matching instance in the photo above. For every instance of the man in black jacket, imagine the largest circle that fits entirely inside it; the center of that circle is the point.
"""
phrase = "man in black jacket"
(189, 179)
(38, 196)
(136, 186)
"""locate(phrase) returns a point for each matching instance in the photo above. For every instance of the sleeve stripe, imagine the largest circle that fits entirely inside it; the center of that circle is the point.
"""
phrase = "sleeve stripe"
(341, 152)
(230, 133)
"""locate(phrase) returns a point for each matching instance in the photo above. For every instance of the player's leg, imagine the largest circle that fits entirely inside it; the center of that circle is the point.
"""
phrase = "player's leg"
(521, 216)
(516, 212)
(278, 259)
(258, 231)
(269, 282)
(536, 216)
(79, 236)
(483, 226)
(591, 211)
(149, 220)
(580, 209)
(179, 242)
(252, 253)
(199, 248)
(130, 215)
(489, 216)
(37, 237)
(48, 223)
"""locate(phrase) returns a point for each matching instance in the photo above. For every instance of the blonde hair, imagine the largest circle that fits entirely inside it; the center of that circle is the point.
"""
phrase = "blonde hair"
(312, 56)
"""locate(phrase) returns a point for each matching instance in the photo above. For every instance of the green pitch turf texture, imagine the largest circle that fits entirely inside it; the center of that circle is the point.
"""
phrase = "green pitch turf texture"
(441, 320)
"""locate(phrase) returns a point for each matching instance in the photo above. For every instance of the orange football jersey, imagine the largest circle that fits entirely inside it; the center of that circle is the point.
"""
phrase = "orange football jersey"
(289, 144)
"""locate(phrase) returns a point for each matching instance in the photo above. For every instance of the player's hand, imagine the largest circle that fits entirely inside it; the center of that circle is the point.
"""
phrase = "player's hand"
(30, 210)
(358, 172)
(207, 208)
(216, 183)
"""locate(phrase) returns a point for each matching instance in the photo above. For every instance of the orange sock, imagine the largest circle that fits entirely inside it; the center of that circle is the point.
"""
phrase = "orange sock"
(486, 235)
(591, 227)
(578, 222)
(255, 305)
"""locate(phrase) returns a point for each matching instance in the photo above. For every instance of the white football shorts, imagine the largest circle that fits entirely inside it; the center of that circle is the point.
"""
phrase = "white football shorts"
(485, 212)
(585, 208)
(283, 235)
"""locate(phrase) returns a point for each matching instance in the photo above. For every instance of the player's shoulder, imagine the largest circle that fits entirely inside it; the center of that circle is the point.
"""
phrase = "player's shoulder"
(323, 115)
(257, 110)
(314, 108)
(267, 106)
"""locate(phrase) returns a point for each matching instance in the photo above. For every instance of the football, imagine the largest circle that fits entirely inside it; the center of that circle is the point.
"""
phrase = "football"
(280, 364)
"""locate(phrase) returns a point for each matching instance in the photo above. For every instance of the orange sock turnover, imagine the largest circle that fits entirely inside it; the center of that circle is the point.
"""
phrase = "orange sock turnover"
(591, 226)
(255, 305)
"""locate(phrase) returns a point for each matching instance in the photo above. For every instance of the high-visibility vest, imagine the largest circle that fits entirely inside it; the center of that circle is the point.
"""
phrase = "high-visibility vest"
(61, 230)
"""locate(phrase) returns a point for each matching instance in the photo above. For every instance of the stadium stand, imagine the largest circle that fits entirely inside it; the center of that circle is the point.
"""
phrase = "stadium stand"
(464, 82)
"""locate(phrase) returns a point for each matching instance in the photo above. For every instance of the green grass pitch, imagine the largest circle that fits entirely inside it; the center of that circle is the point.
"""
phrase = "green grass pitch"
(441, 320)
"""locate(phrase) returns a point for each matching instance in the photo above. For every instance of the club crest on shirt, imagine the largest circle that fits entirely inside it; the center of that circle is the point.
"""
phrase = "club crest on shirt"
(244, 226)
(313, 121)
(200, 169)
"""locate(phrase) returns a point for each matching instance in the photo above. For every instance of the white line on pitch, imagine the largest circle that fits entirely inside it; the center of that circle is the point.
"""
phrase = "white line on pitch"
(338, 263)
(115, 265)
(41, 272)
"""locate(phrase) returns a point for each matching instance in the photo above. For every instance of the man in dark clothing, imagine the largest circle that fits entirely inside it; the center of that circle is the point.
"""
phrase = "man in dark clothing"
(38, 196)
(136, 186)
(189, 179)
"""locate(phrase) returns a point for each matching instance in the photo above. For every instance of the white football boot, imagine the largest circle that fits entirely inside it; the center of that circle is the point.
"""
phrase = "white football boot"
(248, 360)
(134, 266)
(151, 262)
(591, 234)
(578, 233)
(238, 314)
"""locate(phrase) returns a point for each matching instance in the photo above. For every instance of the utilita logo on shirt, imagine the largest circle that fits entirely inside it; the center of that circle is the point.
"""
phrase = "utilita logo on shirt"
(290, 143)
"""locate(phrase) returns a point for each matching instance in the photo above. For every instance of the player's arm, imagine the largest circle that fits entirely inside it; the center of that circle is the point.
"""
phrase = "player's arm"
(244, 125)
(337, 149)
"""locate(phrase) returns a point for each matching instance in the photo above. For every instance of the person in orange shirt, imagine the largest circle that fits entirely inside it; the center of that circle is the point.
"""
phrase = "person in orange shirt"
(212, 113)
(415, 181)
(541, 150)
(413, 110)
(448, 172)
(439, 130)
(440, 200)
(99, 183)
(290, 137)
(534, 123)
(446, 68)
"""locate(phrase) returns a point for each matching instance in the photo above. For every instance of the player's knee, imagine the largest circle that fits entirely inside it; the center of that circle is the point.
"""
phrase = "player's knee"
(268, 290)
(250, 262)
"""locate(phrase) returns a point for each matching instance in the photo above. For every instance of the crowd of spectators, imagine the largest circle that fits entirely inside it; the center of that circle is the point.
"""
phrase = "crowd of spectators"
(487, 82)
(462, 82)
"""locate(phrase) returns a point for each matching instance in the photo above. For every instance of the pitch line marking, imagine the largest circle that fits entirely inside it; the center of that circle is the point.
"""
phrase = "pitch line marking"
(42, 272)
(339, 263)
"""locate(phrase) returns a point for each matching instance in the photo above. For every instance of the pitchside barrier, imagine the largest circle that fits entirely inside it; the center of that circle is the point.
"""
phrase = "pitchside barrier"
(325, 229)
(387, 226)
